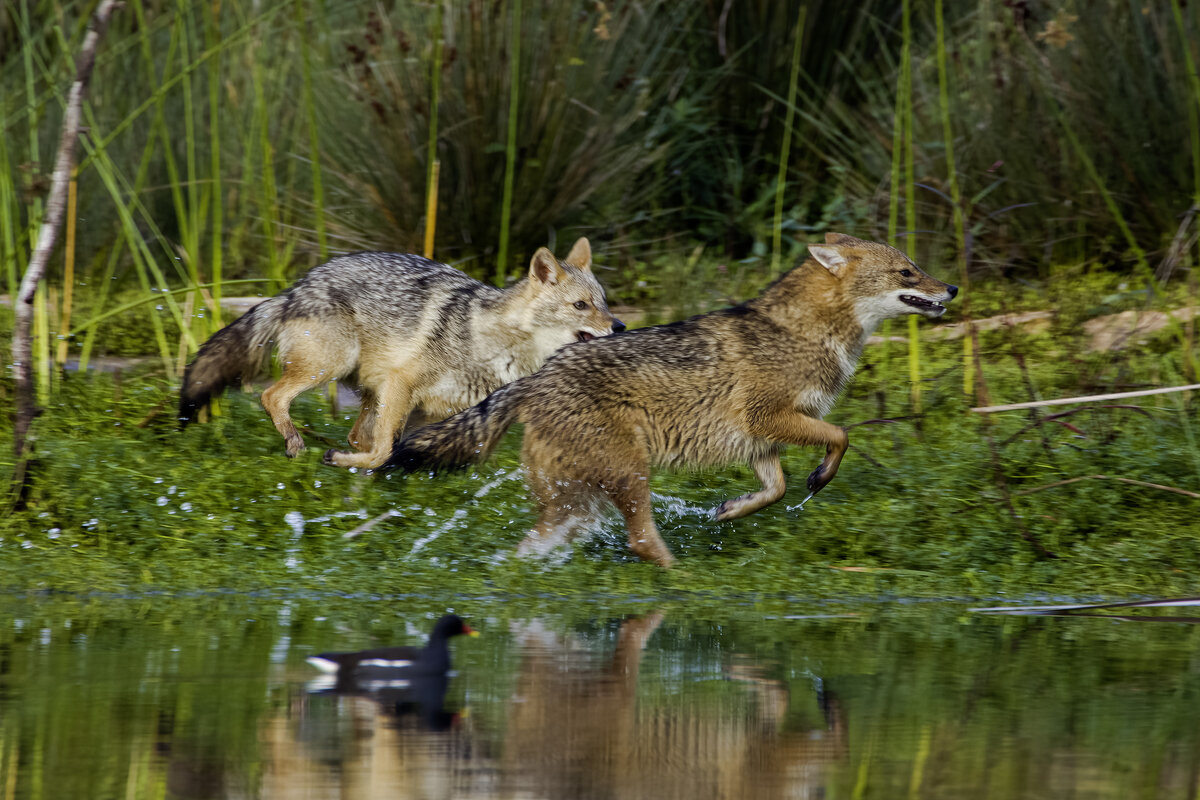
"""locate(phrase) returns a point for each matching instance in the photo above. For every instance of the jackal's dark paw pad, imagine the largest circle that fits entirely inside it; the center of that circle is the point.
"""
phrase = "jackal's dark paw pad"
(817, 480)
(327, 459)
(727, 510)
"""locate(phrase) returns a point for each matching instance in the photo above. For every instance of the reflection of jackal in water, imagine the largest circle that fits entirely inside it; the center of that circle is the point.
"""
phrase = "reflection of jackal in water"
(581, 733)
(416, 336)
(732, 385)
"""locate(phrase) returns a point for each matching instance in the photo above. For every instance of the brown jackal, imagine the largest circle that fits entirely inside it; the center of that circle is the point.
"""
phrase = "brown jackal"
(732, 385)
(421, 340)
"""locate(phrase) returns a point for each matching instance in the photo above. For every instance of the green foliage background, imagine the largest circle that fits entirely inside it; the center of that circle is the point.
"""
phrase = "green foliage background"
(648, 126)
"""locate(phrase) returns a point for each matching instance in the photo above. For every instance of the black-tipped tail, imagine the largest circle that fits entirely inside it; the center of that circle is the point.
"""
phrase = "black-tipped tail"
(235, 354)
(463, 439)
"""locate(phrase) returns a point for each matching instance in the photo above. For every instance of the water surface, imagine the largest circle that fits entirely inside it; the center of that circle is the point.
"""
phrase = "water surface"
(154, 697)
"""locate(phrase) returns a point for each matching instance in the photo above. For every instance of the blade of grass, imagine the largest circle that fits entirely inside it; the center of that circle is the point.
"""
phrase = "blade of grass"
(434, 167)
(269, 201)
(212, 34)
(247, 28)
(910, 196)
(68, 271)
(431, 208)
(121, 309)
(314, 144)
(786, 147)
(1185, 43)
(510, 146)
(89, 339)
(41, 344)
(9, 203)
(960, 238)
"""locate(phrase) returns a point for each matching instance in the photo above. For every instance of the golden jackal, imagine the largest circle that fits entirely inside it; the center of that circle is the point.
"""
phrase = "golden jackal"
(421, 340)
(732, 385)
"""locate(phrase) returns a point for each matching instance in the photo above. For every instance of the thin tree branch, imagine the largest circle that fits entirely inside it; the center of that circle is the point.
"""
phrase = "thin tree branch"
(56, 204)
(1062, 401)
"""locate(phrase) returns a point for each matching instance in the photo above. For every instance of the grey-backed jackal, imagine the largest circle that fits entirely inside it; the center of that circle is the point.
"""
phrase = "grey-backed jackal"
(421, 340)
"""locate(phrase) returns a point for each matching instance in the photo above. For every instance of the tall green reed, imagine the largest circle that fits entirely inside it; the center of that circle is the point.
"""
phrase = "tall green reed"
(510, 143)
(910, 195)
(785, 149)
(956, 202)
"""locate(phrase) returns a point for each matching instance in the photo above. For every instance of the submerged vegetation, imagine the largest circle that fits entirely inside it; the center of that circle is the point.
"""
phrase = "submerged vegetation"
(1046, 157)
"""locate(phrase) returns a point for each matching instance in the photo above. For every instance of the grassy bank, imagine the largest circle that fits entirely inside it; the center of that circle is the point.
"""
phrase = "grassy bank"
(1045, 161)
(937, 502)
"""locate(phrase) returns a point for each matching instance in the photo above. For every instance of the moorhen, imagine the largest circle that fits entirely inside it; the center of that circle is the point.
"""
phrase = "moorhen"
(394, 666)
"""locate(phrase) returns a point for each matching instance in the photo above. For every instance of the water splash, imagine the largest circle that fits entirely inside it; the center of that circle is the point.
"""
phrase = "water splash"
(671, 507)
(296, 521)
(448, 525)
(800, 507)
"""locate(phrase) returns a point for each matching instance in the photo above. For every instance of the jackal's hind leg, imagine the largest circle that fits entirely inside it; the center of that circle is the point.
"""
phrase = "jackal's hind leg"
(394, 401)
(561, 511)
(277, 400)
(770, 474)
(362, 435)
(631, 495)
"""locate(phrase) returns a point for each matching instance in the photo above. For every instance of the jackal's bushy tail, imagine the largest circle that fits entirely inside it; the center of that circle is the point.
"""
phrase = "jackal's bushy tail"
(468, 437)
(235, 354)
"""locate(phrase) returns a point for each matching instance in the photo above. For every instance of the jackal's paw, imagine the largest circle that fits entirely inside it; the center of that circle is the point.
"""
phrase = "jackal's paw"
(653, 551)
(329, 458)
(295, 448)
(819, 478)
(730, 509)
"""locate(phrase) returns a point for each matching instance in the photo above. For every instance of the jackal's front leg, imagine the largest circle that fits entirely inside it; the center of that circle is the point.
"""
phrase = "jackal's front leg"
(792, 427)
(770, 474)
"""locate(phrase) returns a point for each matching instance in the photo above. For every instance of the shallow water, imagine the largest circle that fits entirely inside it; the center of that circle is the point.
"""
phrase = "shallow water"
(211, 697)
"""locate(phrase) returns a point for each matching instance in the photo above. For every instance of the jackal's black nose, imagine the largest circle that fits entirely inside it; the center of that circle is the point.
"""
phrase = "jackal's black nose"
(953, 290)
(619, 326)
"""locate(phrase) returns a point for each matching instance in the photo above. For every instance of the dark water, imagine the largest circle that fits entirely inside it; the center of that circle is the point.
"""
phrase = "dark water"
(210, 698)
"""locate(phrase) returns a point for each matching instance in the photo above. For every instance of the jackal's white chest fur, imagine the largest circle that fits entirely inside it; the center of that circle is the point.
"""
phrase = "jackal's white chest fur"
(816, 398)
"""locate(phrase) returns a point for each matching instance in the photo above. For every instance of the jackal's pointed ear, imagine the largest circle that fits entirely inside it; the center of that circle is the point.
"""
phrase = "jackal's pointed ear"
(829, 257)
(840, 238)
(581, 254)
(544, 267)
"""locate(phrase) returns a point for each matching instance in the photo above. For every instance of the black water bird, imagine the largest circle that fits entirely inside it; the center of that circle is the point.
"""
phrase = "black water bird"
(393, 667)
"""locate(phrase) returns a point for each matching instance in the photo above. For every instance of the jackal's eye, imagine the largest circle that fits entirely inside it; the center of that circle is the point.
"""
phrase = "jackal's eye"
(581, 304)
(906, 273)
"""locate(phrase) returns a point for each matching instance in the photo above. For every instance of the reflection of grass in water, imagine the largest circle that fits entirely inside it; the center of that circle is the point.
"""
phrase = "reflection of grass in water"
(207, 686)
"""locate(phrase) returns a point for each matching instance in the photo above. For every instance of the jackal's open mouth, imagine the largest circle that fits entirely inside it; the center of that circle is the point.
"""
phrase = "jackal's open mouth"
(584, 336)
(922, 304)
